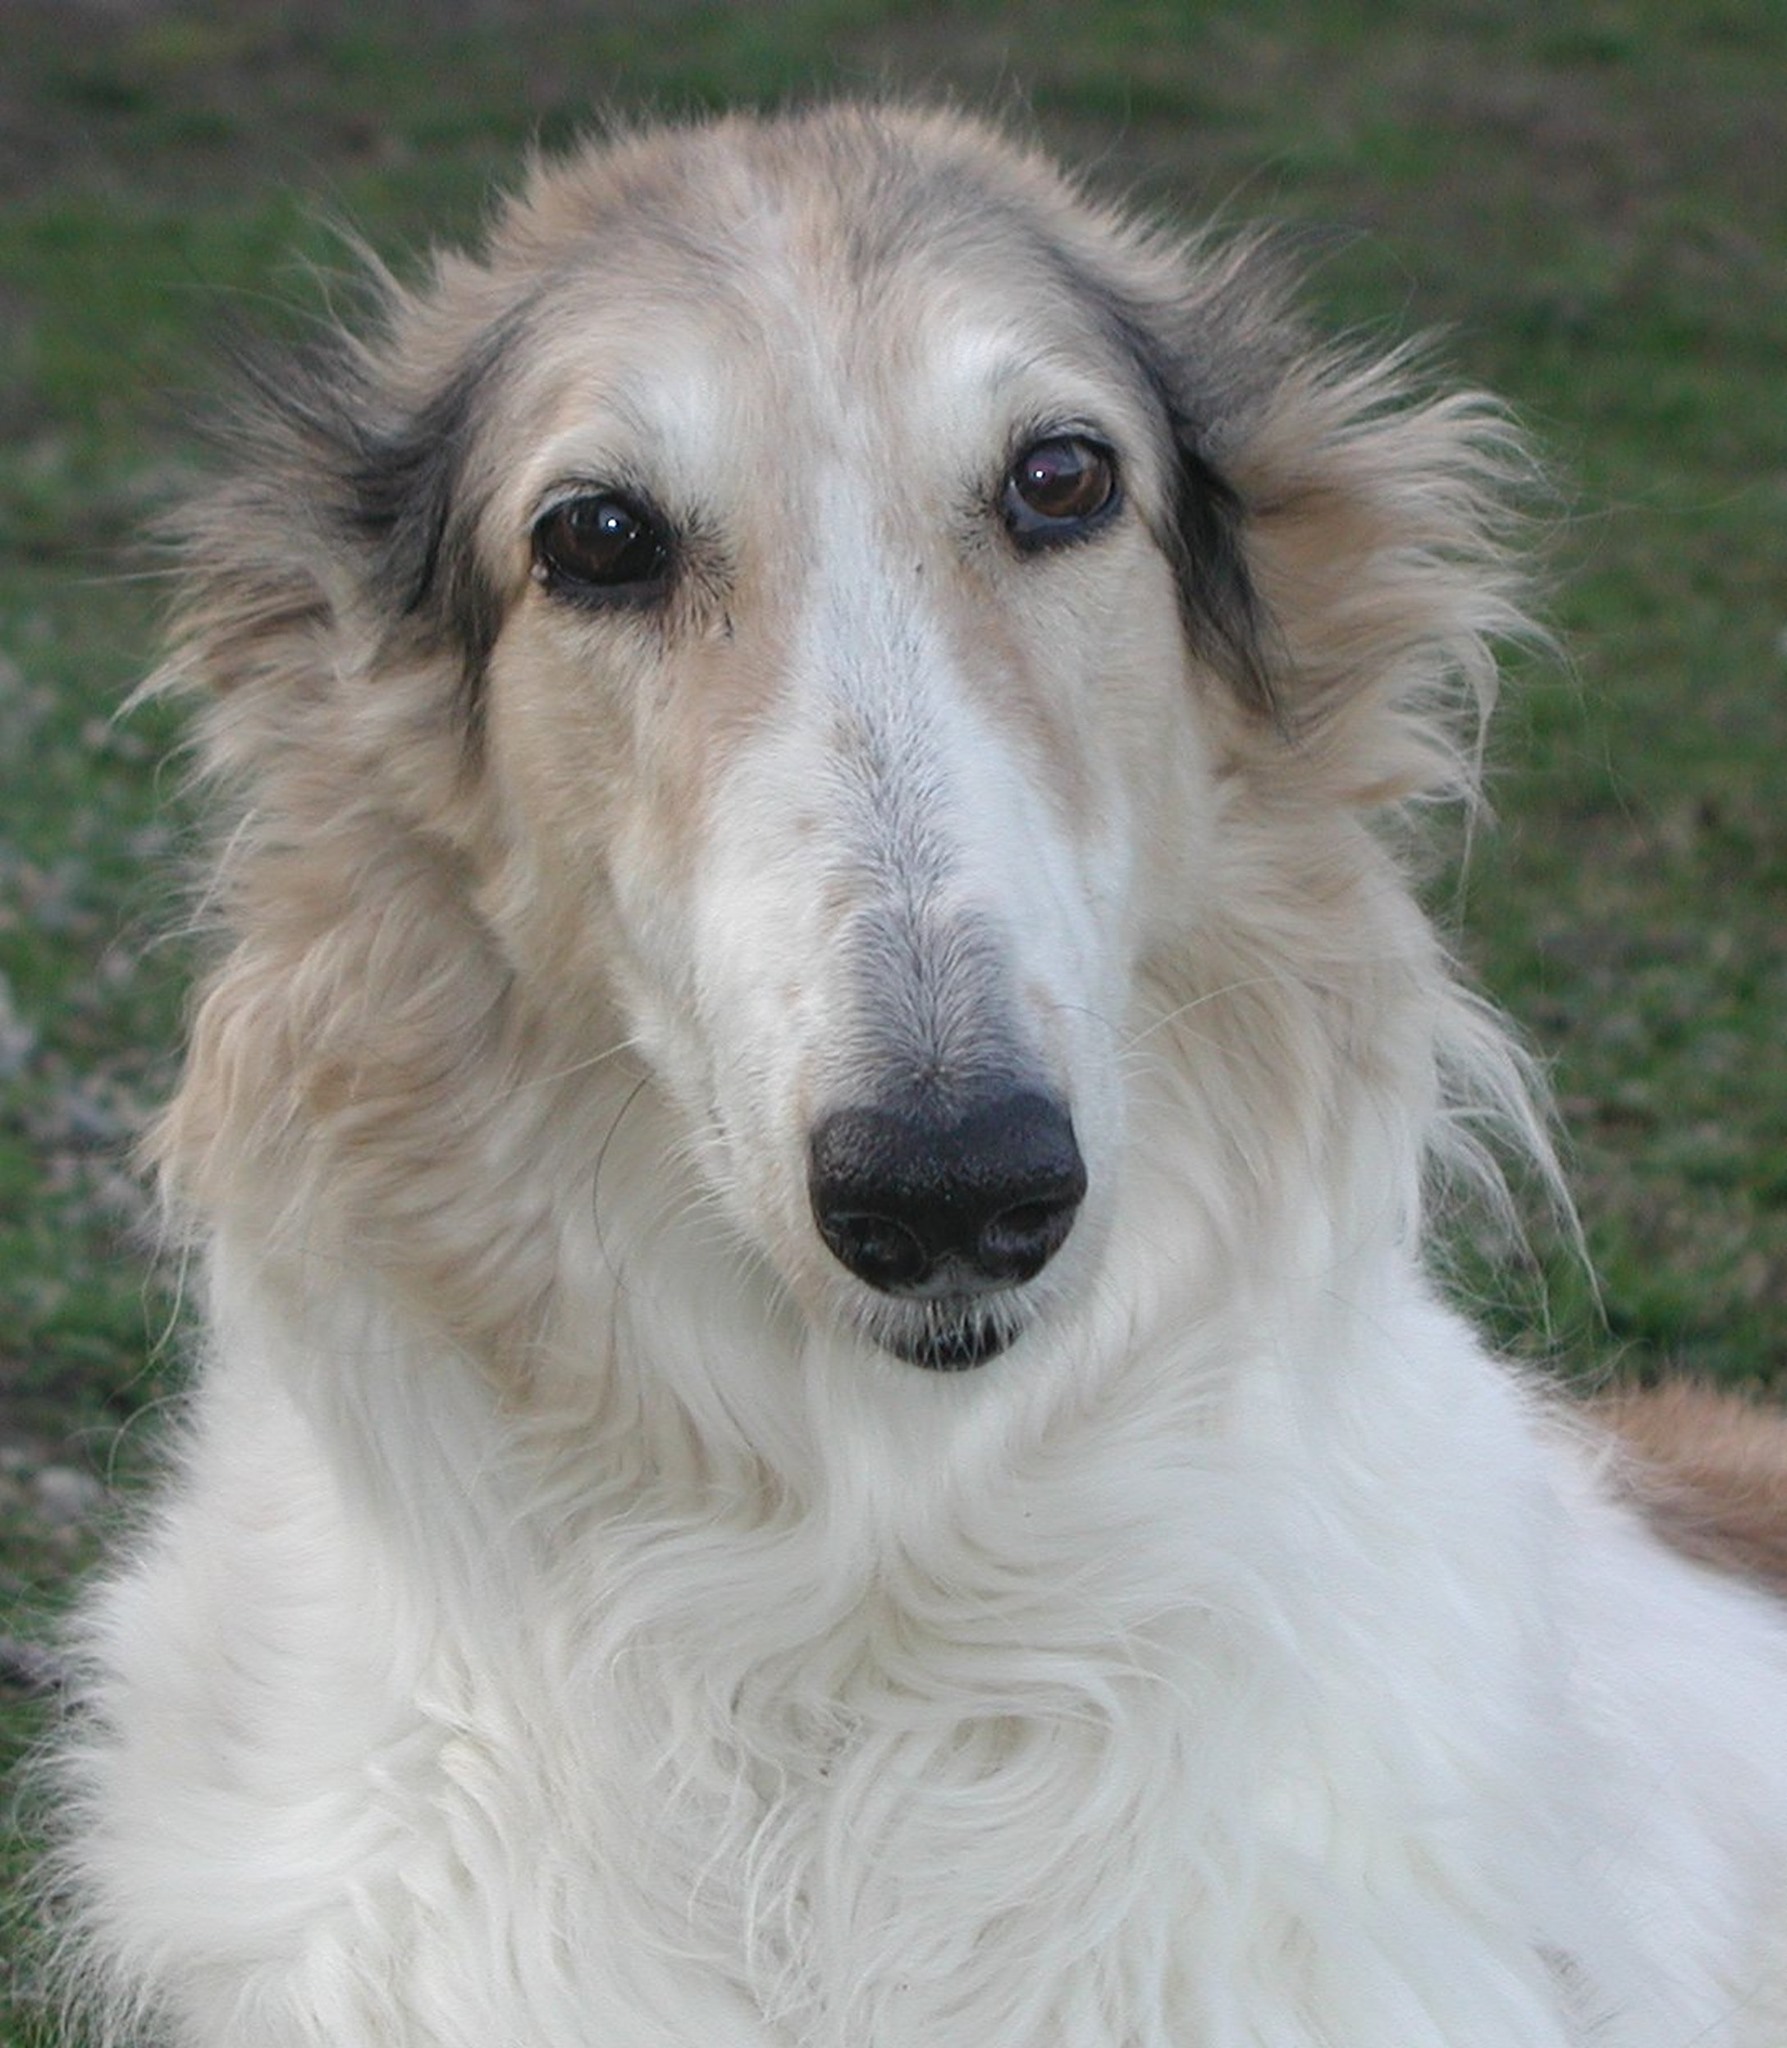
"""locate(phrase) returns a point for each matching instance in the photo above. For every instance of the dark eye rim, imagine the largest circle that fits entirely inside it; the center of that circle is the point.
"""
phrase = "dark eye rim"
(552, 571)
(1033, 532)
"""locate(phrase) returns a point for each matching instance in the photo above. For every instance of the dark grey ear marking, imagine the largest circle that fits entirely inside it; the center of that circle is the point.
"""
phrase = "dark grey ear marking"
(390, 484)
(1225, 619)
(405, 494)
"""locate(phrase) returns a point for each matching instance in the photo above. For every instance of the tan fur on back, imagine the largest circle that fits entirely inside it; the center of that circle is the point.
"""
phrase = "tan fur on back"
(1710, 1474)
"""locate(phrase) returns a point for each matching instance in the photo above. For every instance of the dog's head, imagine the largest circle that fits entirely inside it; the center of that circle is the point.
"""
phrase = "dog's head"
(820, 602)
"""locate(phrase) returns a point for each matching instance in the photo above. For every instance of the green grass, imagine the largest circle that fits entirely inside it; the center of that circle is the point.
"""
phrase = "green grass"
(1591, 205)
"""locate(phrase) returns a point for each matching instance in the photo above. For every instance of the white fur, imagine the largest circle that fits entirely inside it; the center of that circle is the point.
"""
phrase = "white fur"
(566, 1628)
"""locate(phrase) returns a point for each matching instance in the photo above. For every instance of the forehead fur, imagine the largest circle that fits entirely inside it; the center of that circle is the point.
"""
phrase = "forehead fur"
(864, 186)
(911, 228)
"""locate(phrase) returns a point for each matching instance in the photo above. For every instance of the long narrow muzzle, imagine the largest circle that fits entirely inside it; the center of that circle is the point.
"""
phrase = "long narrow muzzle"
(924, 1203)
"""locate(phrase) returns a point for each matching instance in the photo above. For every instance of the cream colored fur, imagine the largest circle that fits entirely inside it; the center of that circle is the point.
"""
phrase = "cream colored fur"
(568, 1624)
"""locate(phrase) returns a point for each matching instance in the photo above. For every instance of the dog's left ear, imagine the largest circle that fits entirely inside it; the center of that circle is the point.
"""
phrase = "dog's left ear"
(1344, 531)
(1225, 617)
(1197, 359)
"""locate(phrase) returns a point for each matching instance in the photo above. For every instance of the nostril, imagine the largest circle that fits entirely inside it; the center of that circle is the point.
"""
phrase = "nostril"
(918, 1201)
(876, 1249)
(1021, 1240)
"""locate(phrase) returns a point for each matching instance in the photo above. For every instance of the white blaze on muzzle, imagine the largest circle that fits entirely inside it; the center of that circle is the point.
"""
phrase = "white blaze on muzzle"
(897, 927)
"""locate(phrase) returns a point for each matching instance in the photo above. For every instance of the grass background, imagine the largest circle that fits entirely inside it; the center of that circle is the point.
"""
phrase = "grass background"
(1593, 206)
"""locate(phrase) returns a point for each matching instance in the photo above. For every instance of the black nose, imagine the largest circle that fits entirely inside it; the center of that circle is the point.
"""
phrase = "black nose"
(921, 1203)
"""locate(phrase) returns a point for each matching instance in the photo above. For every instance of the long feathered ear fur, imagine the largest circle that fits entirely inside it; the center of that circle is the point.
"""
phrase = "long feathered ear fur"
(333, 622)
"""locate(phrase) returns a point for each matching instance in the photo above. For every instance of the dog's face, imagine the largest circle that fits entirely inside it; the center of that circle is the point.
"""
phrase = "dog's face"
(841, 684)
(814, 577)
(841, 690)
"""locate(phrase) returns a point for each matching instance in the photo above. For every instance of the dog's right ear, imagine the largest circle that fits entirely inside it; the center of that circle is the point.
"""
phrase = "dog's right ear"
(347, 508)
(376, 475)
(403, 494)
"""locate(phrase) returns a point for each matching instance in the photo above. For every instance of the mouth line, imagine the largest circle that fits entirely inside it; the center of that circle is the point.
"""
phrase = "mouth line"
(949, 1342)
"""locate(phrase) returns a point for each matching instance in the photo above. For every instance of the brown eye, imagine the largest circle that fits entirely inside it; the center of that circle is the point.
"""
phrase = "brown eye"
(1058, 489)
(601, 550)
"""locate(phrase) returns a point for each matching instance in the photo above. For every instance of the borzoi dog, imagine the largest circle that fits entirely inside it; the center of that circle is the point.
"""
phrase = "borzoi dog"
(823, 1425)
